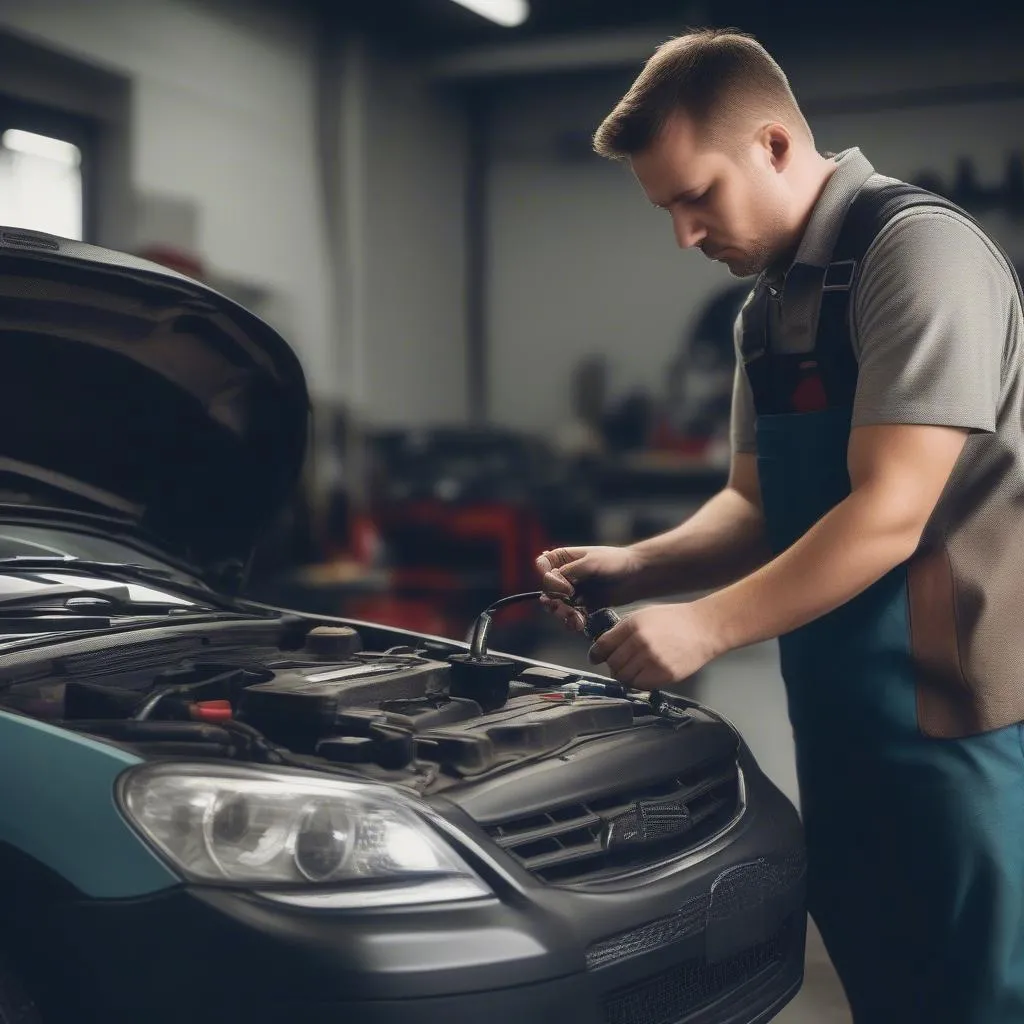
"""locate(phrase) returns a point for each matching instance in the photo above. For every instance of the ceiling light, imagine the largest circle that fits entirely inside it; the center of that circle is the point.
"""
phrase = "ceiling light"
(505, 12)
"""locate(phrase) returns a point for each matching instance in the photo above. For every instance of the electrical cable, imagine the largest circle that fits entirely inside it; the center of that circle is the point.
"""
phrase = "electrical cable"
(179, 690)
(482, 626)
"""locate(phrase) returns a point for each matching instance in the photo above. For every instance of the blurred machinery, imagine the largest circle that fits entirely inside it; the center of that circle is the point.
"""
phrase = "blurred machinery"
(696, 411)
(461, 514)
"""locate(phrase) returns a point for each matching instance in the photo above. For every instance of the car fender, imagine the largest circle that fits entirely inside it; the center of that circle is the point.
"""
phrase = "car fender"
(58, 807)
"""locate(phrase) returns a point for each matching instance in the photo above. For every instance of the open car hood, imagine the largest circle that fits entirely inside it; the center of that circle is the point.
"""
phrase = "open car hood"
(146, 393)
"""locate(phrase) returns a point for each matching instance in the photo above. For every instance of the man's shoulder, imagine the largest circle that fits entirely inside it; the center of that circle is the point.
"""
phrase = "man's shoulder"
(930, 266)
(930, 239)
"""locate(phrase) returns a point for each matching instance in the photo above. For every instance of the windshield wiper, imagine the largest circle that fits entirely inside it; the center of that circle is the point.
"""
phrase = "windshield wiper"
(72, 597)
(68, 599)
(119, 572)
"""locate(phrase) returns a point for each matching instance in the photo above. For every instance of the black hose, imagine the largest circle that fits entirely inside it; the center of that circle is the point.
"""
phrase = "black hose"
(180, 690)
(482, 626)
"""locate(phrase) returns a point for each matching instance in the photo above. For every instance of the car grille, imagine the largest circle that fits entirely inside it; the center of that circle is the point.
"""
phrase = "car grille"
(738, 890)
(569, 843)
(671, 995)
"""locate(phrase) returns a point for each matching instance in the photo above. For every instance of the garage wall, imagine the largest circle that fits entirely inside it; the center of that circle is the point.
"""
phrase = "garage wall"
(222, 118)
(415, 274)
(226, 101)
(580, 264)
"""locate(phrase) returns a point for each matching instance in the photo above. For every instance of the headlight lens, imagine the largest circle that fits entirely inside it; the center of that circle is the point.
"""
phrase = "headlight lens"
(267, 829)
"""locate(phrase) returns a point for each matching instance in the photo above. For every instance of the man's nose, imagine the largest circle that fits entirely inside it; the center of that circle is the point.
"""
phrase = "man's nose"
(689, 231)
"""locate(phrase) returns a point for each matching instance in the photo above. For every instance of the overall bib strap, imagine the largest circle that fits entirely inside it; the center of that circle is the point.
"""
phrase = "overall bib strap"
(783, 383)
(871, 209)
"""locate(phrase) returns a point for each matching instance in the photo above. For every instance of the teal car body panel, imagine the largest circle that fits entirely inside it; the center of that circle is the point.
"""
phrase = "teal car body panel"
(58, 807)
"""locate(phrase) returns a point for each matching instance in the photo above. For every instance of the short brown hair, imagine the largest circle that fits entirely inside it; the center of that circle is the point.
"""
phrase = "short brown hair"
(713, 76)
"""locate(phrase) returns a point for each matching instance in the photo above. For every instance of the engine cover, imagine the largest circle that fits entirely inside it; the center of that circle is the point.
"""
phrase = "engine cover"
(302, 703)
(528, 726)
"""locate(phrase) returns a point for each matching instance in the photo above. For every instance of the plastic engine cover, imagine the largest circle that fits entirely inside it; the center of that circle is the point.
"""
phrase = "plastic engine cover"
(301, 705)
(526, 727)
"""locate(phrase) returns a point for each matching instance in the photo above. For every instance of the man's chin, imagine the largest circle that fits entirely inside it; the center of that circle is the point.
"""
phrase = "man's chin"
(738, 264)
(740, 267)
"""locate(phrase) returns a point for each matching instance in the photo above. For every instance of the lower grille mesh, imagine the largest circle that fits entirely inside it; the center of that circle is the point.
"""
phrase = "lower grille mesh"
(667, 997)
(689, 920)
(736, 891)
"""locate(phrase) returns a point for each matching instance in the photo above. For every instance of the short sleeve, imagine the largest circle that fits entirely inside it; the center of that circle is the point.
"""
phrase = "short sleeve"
(741, 427)
(930, 321)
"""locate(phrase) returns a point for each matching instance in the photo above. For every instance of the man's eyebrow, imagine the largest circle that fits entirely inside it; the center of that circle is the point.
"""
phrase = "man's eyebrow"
(683, 196)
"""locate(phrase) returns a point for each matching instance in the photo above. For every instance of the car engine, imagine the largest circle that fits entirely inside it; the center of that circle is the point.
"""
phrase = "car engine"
(544, 771)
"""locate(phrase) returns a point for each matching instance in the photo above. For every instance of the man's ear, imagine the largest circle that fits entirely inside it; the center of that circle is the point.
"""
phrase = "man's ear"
(778, 145)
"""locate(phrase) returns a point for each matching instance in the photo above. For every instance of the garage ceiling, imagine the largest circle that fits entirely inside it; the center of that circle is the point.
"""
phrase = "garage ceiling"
(439, 26)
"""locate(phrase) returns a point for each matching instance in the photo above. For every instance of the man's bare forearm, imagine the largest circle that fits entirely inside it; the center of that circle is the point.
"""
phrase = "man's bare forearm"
(720, 543)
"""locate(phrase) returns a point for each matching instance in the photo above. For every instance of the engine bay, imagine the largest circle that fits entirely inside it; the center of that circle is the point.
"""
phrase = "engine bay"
(337, 700)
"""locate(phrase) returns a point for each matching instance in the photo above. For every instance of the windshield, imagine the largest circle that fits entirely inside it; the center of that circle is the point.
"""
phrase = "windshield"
(31, 541)
(35, 583)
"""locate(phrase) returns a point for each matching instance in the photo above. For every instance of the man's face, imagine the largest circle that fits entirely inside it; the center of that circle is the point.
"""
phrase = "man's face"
(731, 206)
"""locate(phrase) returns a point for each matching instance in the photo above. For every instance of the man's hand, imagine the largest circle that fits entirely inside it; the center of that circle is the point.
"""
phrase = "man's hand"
(596, 576)
(659, 645)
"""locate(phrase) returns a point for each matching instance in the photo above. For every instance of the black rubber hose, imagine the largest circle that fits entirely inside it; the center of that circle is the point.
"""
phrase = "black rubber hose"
(181, 690)
(482, 626)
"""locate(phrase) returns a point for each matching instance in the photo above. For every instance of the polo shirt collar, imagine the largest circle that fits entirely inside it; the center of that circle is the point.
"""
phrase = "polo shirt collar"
(815, 249)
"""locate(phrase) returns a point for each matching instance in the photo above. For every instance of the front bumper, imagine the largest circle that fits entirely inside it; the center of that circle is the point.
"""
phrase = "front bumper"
(719, 941)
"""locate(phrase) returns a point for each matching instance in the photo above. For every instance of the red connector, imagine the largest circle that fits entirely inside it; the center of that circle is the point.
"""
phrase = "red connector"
(211, 711)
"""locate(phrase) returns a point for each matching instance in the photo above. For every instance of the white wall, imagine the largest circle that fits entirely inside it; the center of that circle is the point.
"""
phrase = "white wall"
(415, 341)
(396, 227)
(580, 264)
(222, 117)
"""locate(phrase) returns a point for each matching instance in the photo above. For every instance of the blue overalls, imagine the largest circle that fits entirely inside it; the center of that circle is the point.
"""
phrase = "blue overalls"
(915, 844)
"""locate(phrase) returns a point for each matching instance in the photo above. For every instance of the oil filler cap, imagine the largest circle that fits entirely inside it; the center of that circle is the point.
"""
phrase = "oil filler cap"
(485, 680)
(333, 643)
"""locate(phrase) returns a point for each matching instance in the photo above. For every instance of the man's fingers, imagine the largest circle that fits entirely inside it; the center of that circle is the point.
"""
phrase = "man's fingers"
(557, 557)
(634, 671)
(571, 618)
(574, 621)
(555, 582)
(556, 605)
(608, 642)
(562, 579)
(651, 676)
(623, 654)
(560, 562)
(565, 613)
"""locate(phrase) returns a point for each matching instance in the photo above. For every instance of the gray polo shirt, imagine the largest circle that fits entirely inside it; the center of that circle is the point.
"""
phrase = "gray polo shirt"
(937, 330)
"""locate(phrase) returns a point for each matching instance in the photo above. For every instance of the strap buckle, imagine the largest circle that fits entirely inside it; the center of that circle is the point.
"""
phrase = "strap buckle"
(839, 276)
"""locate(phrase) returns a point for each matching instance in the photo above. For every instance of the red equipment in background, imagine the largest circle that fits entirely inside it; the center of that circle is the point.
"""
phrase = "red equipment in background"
(461, 516)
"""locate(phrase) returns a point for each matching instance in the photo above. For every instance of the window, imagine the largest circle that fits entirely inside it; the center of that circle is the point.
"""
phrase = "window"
(40, 183)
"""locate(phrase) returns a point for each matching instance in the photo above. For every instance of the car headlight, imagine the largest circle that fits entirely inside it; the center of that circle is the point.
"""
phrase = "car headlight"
(317, 842)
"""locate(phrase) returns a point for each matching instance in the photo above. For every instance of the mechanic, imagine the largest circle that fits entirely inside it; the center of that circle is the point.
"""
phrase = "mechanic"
(871, 521)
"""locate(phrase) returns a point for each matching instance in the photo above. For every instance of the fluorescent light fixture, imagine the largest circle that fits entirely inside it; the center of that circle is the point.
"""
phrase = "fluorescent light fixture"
(504, 12)
(42, 146)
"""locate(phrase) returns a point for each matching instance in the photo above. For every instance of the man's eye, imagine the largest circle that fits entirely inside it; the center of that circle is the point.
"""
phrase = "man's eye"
(692, 200)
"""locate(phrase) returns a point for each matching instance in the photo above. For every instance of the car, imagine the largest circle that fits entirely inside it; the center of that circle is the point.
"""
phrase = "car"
(217, 810)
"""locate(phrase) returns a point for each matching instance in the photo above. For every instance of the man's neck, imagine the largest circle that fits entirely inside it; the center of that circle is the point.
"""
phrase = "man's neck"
(820, 170)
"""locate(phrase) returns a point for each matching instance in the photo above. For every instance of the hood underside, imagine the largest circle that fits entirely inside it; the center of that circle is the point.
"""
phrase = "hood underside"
(144, 392)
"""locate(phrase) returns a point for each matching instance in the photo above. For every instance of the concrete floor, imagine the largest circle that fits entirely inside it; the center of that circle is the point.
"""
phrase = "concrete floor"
(746, 687)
